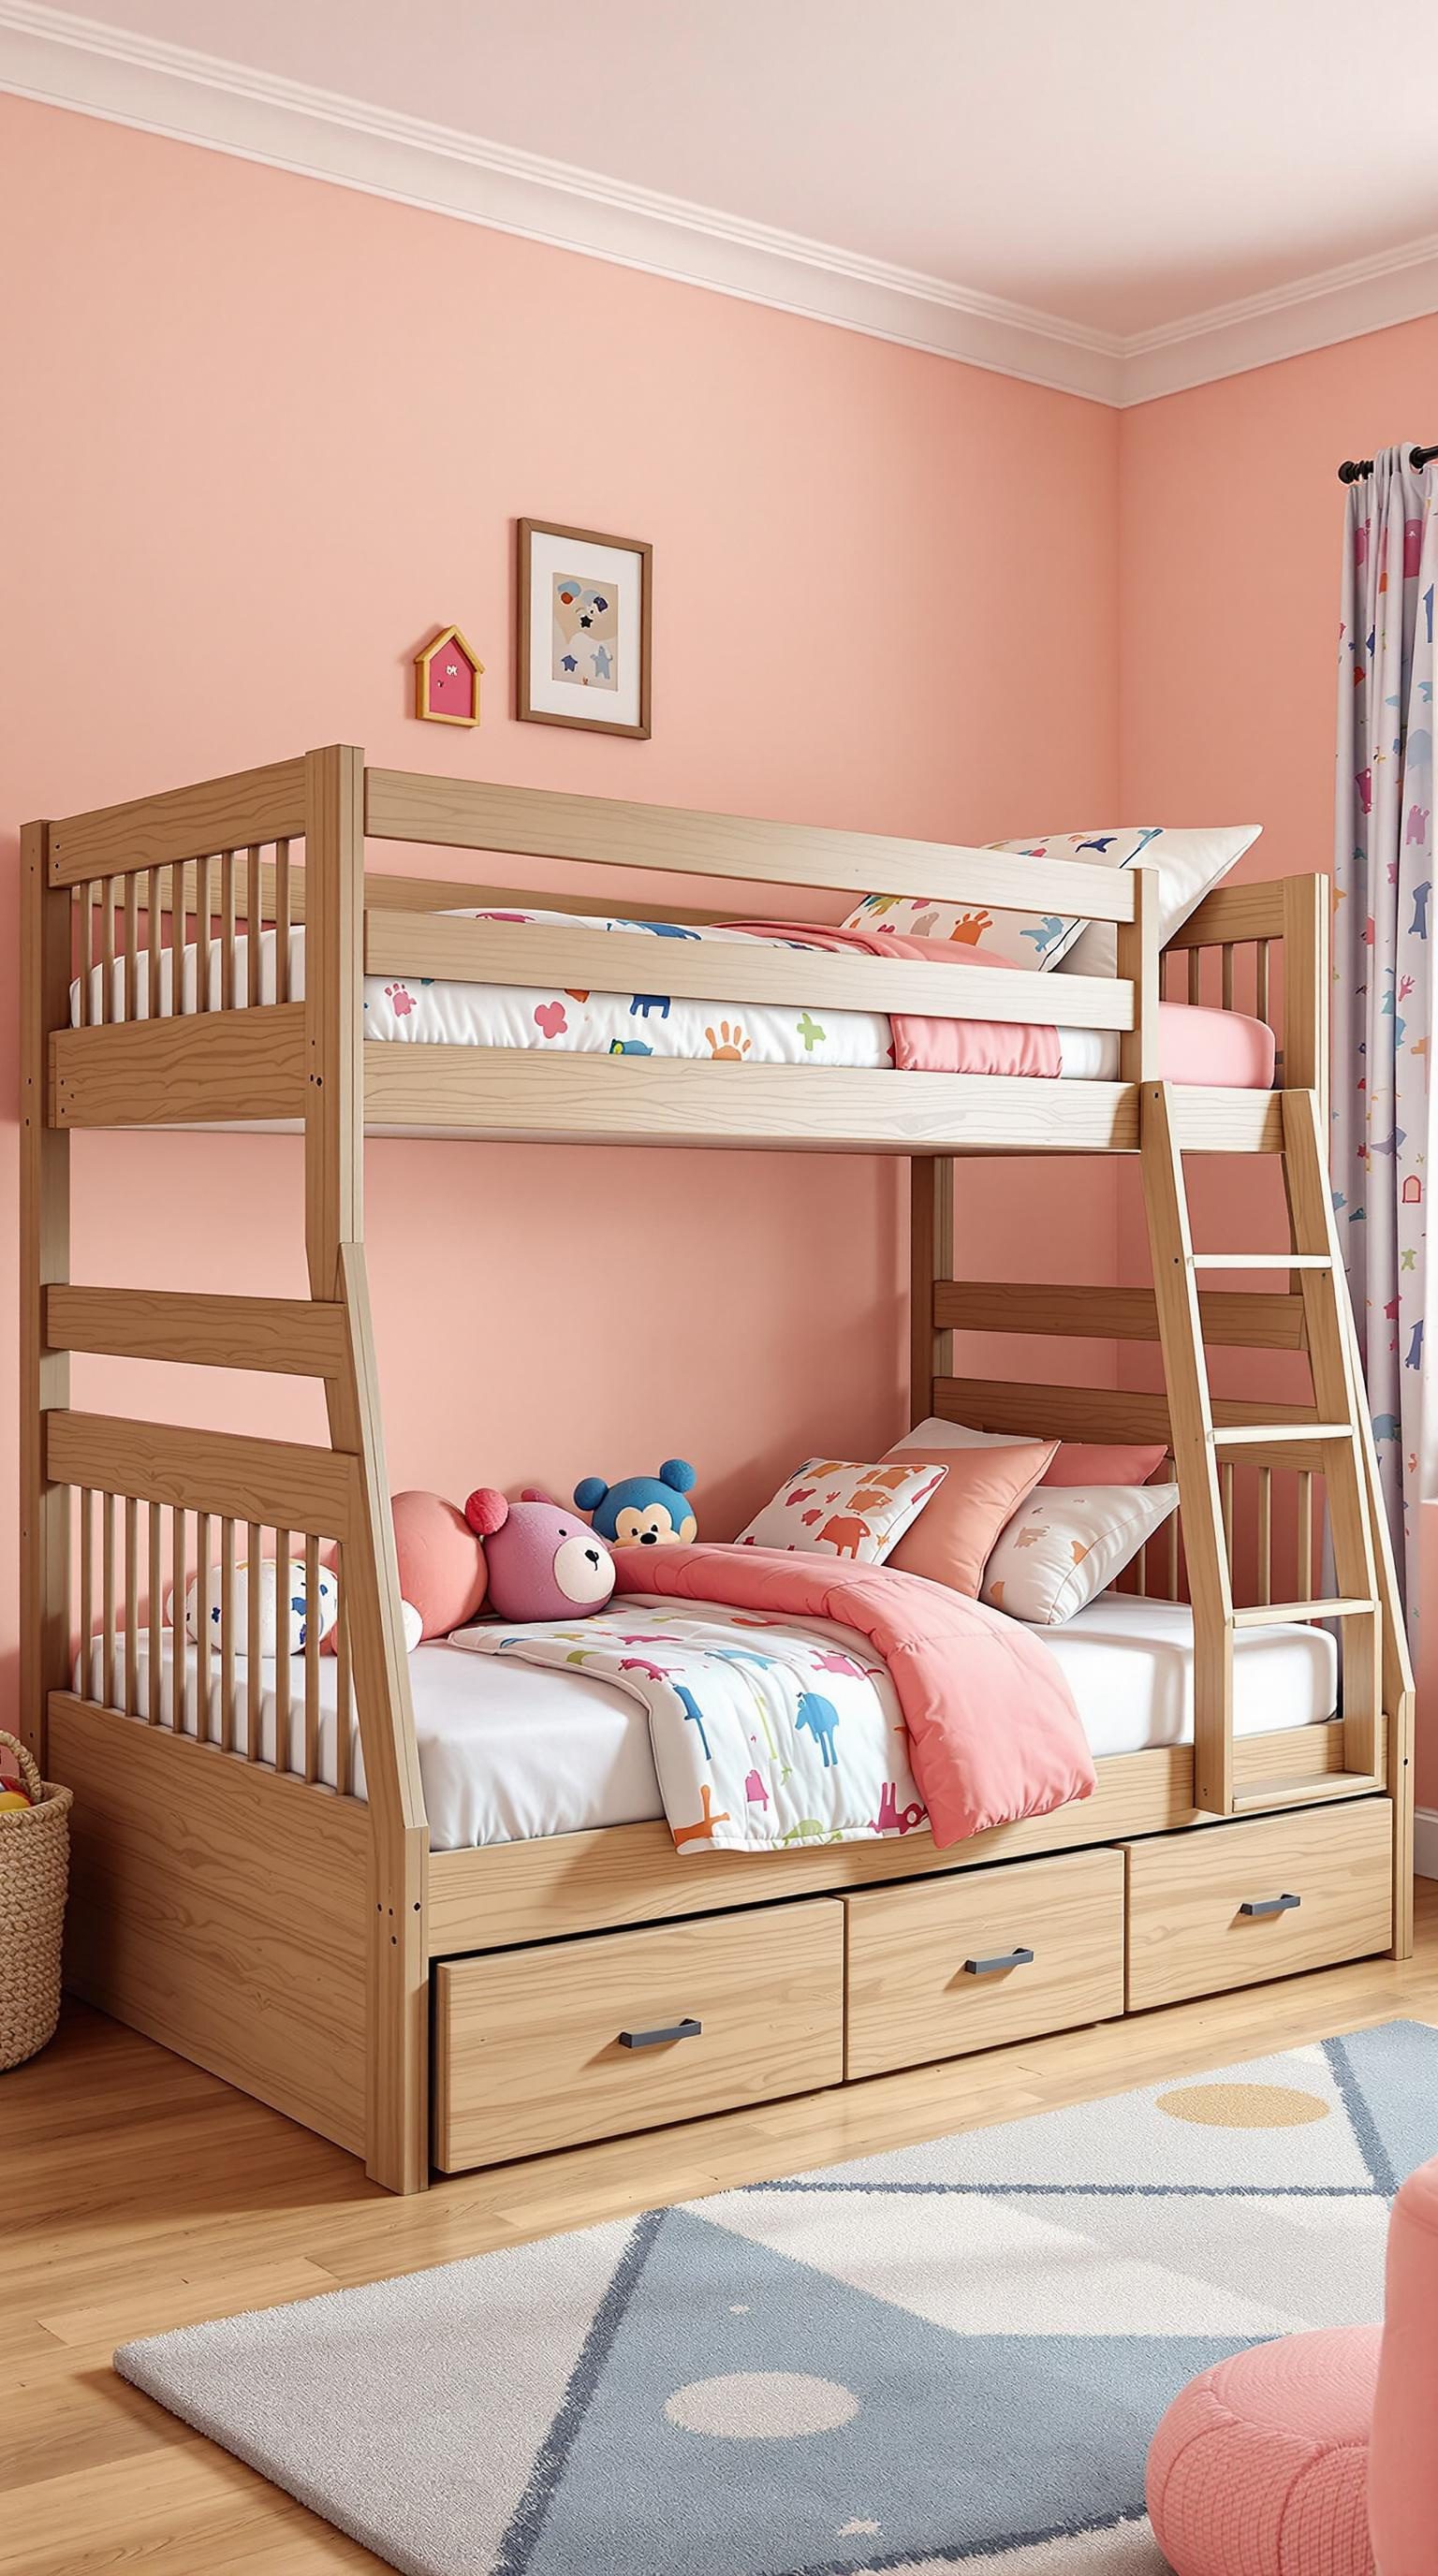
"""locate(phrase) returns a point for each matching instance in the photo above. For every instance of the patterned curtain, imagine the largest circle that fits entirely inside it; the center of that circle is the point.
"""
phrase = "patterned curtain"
(1382, 1006)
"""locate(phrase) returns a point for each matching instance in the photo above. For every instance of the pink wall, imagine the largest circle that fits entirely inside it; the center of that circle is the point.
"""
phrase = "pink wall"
(1230, 530)
(267, 434)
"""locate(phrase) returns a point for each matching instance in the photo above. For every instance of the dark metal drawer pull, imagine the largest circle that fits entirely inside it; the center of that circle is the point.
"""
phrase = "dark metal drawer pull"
(658, 2038)
(1001, 1959)
(1270, 1905)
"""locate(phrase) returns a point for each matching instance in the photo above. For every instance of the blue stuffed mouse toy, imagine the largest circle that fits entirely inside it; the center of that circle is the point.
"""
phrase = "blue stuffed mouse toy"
(642, 1511)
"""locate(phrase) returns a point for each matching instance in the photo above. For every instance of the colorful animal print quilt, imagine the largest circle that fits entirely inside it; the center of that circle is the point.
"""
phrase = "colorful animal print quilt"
(796, 1699)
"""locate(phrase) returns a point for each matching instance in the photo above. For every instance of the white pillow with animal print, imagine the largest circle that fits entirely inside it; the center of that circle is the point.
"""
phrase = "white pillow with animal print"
(1037, 940)
(836, 1507)
(1188, 866)
(1065, 1544)
(281, 1613)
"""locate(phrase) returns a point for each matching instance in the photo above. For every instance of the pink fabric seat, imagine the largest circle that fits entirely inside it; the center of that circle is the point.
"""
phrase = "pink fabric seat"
(1316, 2456)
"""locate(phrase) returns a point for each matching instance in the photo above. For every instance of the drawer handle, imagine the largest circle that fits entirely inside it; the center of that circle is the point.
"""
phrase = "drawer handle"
(1270, 1905)
(660, 2038)
(995, 1966)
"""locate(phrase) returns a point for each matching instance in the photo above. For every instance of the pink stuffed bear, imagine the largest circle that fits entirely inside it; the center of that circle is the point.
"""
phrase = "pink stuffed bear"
(542, 1561)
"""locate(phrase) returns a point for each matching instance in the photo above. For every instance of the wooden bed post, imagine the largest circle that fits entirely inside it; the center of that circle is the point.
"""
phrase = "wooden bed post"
(45, 1642)
(1305, 988)
(397, 2043)
(931, 1257)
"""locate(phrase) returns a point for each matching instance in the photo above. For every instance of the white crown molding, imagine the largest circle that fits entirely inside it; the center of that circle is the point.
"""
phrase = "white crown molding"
(66, 61)
(62, 60)
(1311, 313)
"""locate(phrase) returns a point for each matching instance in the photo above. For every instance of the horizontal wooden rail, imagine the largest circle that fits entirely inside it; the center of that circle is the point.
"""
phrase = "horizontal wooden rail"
(462, 813)
(234, 1067)
(489, 952)
(250, 806)
(1231, 1318)
(278, 1483)
(1233, 914)
(1268, 1614)
(514, 1094)
(284, 1336)
(1113, 1413)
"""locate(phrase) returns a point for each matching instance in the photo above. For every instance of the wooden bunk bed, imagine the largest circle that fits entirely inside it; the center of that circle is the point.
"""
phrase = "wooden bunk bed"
(305, 1942)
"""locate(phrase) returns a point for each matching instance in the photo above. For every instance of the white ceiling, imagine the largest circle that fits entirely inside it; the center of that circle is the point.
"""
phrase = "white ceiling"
(1114, 167)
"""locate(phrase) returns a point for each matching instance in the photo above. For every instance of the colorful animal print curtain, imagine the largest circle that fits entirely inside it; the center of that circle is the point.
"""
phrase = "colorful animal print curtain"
(1383, 1013)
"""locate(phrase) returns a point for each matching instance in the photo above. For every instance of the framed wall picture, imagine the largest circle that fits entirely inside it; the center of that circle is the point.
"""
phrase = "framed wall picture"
(584, 629)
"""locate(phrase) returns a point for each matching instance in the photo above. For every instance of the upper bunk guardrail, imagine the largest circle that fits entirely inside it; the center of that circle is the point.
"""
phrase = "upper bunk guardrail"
(191, 892)
(179, 910)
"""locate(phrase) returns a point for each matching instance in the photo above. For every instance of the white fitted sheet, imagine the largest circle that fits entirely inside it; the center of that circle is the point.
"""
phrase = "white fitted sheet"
(510, 1752)
(421, 1012)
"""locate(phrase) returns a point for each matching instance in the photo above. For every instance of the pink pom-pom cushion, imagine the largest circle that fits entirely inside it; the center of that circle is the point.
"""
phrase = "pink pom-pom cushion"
(441, 1562)
(1260, 2466)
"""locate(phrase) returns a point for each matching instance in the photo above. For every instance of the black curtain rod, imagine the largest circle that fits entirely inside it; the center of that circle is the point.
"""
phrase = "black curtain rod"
(1358, 469)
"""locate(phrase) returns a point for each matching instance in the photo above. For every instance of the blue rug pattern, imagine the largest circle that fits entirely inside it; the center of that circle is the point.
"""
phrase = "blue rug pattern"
(952, 2356)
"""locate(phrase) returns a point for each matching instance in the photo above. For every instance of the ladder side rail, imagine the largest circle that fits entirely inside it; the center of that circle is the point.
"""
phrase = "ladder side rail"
(1191, 1418)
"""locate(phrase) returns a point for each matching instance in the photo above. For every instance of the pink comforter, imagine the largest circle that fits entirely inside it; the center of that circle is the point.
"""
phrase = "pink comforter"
(993, 1730)
(936, 1046)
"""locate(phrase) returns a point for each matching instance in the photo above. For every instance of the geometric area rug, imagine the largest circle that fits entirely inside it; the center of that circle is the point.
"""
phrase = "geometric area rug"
(952, 2356)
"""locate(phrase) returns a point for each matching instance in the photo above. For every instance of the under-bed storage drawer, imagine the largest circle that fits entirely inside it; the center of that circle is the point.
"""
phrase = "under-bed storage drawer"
(587, 2039)
(1228, 1905)
(986, 1956)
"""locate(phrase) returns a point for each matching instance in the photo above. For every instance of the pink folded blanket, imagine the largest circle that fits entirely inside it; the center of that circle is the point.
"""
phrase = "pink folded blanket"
(993, 1731)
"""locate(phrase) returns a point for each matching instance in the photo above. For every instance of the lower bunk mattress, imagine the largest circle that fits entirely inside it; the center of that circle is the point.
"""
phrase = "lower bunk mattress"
(1197, 1045)
(512, 1752)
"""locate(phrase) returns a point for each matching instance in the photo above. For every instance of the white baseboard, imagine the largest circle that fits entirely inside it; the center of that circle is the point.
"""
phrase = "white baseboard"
(1425, 1842)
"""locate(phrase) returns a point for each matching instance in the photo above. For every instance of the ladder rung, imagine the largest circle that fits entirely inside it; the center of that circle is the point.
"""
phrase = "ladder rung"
(1305, 1793)
(1261, 1435)
(1272, 1614)
(1262, 1261)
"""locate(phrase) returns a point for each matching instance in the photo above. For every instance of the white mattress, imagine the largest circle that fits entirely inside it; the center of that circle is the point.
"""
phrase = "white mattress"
(511, 1752)
(422, 1012)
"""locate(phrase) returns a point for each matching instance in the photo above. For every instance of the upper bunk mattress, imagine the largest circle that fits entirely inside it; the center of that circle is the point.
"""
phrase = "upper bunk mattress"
(513, 1752)
(1196, 1045)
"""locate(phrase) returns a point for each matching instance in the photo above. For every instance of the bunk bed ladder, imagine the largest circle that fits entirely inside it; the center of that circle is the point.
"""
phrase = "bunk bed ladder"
(1333, 1442)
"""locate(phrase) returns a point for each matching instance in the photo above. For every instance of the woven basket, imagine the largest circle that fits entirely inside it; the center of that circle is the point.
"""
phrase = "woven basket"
(34, 1865)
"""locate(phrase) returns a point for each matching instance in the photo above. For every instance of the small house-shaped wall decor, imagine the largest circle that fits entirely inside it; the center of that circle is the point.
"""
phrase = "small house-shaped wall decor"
(447, 674)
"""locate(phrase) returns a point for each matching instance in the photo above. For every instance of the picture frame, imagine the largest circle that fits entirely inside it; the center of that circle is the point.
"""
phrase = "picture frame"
(585, 629)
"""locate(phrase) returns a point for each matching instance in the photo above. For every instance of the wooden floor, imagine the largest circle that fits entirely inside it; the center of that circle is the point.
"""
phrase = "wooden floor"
(137, 2193)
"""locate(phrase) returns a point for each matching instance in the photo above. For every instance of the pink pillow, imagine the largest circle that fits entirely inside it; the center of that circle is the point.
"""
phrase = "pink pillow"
(441, 1562)
(1082, 1462)
(957, 1528)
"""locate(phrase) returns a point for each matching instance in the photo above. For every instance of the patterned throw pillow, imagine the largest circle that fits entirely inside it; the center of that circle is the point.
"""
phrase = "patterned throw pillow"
(1065, 1545)
(1034, 939)
(835, 1507)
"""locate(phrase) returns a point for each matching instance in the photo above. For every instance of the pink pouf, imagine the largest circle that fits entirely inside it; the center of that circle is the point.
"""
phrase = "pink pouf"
(1260, 2467)
(1280, 2461)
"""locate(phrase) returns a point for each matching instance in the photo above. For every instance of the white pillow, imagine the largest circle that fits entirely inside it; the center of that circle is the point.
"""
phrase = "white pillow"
(934, 1434)
(1189, 865)
(1066, 1543)
(835, 1507)
(328, 1597)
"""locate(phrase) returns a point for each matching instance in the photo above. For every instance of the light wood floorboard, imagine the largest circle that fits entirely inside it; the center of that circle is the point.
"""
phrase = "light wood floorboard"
(138, 2193)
